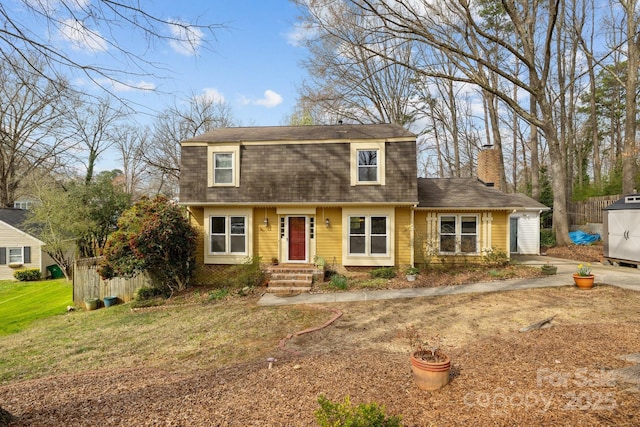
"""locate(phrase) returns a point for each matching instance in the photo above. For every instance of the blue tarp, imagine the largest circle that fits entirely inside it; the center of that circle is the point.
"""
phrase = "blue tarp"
(582, 238)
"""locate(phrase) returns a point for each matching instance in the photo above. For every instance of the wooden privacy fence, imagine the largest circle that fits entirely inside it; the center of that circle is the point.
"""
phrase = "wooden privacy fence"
(88, 284)
(590, 210)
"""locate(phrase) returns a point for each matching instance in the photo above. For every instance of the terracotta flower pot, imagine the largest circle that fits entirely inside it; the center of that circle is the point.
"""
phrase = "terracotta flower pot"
(584, 282)
(430, 375)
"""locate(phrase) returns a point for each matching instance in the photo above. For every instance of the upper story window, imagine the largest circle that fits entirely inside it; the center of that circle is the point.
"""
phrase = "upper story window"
(23, 204)
(224, 166)
(367, 163)
(459, 234)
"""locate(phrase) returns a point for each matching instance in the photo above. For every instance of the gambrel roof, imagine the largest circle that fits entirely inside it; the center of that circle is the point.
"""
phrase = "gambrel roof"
(301, 165)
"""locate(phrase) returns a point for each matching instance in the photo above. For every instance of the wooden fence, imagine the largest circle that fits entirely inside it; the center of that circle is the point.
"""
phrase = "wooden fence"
(590, 210)
(88, 284)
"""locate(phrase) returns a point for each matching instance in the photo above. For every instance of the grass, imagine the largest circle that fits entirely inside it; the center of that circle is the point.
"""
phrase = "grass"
(191, 335)
(22, 303)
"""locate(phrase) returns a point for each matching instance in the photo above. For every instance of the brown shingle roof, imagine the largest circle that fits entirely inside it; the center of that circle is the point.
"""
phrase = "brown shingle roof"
(304, 133)
(469, 193)
(311, 165)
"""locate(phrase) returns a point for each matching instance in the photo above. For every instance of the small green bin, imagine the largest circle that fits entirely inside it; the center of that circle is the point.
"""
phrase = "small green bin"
(55, 271)
(109, 301)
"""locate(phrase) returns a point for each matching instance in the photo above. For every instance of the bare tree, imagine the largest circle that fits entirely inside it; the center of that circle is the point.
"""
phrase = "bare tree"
(347, 82)
(455, 29)
(630, 150)
(130, 142)
(29, 28)
(94, 126)
(33, 114)
(178, 123)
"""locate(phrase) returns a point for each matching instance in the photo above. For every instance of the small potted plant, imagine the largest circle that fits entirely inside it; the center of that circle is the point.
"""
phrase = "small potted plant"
(549, 269)
(583, 277)
(430, 365)
(274, 261)
(411, 273)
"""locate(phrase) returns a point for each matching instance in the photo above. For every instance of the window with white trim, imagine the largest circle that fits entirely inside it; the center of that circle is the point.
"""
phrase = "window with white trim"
(368, 235)
(458, 234)
(222, 168)
(228, 235)
(223, 165)
(367, 165)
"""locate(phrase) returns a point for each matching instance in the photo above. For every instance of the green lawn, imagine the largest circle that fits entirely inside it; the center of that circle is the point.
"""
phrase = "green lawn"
(21, 303)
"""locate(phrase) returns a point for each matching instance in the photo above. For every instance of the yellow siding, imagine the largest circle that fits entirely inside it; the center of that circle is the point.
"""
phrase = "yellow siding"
(404, 237)
(500, 232)
(426, 234)
(329, 239)
(265, 238)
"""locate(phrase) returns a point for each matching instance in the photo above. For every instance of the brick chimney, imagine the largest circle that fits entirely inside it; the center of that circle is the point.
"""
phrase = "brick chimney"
(488, 166)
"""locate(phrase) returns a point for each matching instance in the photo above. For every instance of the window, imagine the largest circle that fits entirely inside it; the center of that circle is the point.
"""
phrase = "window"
(367, 165)
(228, 235)
(368, 235)
(223, 168)
(15, 255)
(459, 234)
(367, 160)
(23, 205)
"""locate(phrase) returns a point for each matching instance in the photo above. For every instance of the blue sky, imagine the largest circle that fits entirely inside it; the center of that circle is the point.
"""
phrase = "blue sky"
(252, 63)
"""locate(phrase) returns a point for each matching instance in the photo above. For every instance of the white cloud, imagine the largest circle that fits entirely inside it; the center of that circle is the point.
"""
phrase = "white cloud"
(300, 33)
(81, 37)
(211, 94)
(185, 39)
(117, 86)
(271, 99)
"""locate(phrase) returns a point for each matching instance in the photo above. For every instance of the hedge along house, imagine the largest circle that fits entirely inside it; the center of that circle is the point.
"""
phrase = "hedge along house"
(347, 193)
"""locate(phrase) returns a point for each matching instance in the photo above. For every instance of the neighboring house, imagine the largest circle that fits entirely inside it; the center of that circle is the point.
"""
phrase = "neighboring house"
(19, 249)
(347, 193)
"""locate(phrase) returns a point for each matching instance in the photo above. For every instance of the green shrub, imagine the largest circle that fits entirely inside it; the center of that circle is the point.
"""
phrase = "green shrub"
(547, 237)
(248, 274)
(147, 292)
(218, 294)
(28, 275)
(495, 258)
(333, 414)
(338, 281)
(384, 273)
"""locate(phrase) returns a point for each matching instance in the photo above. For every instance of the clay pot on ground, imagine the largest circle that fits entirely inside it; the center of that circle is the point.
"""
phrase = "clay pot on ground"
(584, 282)
(430, 370)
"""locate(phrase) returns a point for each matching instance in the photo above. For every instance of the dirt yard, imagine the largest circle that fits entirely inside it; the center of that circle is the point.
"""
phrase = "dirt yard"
(562, 375)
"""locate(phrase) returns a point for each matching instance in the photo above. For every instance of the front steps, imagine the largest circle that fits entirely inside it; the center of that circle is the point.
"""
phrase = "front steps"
(291, 278)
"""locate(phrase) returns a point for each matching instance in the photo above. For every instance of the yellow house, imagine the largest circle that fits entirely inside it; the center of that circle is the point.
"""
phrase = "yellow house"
(346, 194)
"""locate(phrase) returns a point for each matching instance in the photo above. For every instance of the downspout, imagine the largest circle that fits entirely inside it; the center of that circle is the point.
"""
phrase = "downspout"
(412, 235)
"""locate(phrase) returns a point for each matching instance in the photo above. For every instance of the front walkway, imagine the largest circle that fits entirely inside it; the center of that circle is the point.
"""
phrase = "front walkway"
(622, 277)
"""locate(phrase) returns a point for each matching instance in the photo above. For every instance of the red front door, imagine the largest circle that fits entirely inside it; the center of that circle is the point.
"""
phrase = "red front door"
(297, 238)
